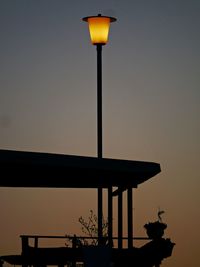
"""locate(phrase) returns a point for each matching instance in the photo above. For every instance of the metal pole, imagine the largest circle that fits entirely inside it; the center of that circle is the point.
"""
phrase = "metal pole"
(99, 135)
(99, 101)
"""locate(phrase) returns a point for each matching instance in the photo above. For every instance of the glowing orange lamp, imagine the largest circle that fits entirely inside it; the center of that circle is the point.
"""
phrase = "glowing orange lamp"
(99, 28)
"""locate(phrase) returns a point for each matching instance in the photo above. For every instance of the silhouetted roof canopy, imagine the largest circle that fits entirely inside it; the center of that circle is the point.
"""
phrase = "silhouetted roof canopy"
(36, 169)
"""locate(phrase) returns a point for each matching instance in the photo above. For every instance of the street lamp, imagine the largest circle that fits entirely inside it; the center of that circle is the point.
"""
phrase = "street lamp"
(99, 29)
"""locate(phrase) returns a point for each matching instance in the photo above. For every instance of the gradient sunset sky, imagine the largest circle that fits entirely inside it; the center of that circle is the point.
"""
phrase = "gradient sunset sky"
(151, 110)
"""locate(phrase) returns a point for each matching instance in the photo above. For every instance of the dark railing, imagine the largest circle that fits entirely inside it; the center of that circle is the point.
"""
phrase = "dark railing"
(150, 254)
(73, 238)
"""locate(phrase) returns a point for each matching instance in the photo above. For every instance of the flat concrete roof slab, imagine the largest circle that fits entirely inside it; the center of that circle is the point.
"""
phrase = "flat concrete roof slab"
(37, 169)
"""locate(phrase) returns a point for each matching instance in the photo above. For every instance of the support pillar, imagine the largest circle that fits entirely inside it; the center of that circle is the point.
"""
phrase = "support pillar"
(130, 216)
(110, 217)
(120, 217)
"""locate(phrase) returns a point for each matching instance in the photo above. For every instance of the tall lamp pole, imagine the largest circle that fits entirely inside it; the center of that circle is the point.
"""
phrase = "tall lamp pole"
(99, 30)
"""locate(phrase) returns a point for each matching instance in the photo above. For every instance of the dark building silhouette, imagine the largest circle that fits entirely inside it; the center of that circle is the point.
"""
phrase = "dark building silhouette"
(46, 170)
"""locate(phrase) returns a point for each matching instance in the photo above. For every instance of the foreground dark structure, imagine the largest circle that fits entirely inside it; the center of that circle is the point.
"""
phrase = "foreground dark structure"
(46, 170)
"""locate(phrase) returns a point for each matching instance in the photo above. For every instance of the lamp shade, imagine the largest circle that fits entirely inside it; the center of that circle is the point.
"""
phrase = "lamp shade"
(99, 28)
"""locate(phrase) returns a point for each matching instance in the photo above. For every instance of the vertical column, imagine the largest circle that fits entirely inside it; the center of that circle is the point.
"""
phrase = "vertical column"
(130, 216)
(36, 242)
(25, 245)
(99, 135)
(74, 243)
(120, 217)
(100, 214)
(99, 102)
(110, 217)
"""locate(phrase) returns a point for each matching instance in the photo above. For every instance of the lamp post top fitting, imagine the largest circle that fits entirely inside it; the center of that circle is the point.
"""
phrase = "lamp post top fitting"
(112, 19)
